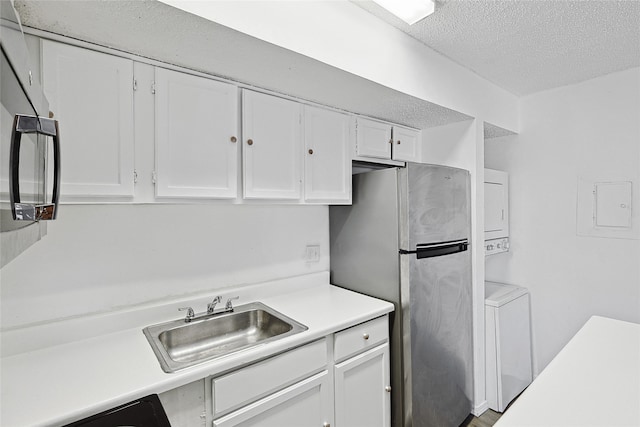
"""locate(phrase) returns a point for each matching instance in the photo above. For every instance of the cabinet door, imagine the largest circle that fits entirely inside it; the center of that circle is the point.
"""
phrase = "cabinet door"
(305, 404)
(362, 390)
(196, 136)
(496, 204)
(272, 147)
(91, 94)
(406, 144)
(373, 139)
(327, 167)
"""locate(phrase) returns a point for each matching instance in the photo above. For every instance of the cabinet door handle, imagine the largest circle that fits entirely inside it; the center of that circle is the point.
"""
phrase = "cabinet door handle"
(326, 425)
(250, 141)
(398, 142)
(310, 151)
(365, 336)
(233, 139)
(388, 389)
(391, 141)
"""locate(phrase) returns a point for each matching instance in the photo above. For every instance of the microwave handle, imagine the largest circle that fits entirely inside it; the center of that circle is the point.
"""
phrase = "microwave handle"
(49, 127)
(56, 169)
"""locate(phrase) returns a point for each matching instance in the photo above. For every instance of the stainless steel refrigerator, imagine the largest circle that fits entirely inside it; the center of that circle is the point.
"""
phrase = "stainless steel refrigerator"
(405, 240)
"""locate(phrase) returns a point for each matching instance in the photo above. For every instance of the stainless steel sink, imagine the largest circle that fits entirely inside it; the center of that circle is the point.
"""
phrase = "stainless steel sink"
(179, 344)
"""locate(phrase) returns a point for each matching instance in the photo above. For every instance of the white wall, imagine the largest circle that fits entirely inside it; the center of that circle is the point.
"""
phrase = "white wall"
(591, 129)
(98, 258)
(461, 145)
(347, 37)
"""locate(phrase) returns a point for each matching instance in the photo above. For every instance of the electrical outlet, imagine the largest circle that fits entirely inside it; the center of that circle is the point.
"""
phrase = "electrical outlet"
(312, 253)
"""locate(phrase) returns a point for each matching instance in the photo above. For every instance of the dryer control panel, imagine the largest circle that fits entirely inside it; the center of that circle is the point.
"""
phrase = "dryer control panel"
(496, 246)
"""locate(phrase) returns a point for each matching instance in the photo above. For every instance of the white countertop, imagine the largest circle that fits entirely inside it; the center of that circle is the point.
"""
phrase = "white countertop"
(593, 381)
(63, 383)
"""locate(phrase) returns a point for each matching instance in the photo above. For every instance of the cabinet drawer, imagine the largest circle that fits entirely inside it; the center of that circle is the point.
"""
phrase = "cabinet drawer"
(253, 382)
(361, 337)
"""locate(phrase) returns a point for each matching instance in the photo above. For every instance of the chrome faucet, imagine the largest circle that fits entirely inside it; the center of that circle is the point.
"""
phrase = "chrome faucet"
(190, 313)
(228, 306)
(212, 305)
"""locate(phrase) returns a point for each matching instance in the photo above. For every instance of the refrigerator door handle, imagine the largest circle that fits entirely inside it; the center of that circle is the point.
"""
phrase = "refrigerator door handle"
(429, 250)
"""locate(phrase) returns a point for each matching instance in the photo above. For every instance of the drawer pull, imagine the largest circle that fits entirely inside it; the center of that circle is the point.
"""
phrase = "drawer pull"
(365, 336)
(388, 389)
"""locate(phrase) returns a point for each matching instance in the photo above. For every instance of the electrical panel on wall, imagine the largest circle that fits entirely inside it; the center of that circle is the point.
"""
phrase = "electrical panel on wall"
(612, 204)
(605, 208)
(496, 211)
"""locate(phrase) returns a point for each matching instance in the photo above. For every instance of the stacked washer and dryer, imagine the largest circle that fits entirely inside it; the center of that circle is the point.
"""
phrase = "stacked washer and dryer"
(507, 343)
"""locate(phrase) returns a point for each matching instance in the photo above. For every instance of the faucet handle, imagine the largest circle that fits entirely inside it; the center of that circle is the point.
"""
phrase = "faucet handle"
(228, 306)
(190, 313)
(212, 305)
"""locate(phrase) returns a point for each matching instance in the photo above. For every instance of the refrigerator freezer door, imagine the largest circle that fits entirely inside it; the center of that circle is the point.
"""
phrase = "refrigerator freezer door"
(434, 204)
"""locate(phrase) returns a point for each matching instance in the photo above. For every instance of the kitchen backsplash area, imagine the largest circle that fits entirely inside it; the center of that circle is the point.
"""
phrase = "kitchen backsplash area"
(101, 258)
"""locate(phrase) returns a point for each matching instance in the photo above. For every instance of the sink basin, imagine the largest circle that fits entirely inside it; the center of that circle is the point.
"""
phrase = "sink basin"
(179, 344)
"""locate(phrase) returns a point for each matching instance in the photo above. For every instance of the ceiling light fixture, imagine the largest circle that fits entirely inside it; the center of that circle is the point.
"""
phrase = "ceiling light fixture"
(410, 11)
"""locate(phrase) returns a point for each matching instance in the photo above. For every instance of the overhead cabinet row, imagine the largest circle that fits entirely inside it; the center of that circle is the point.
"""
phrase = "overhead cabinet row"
(112, 107)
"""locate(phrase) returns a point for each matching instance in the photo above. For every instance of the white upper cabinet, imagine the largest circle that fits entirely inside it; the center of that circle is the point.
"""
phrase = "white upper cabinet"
(91, 94)
(272, 144)
(406, 144)
(327, 136)
(196, 136)
(385, 141)
(373, 139)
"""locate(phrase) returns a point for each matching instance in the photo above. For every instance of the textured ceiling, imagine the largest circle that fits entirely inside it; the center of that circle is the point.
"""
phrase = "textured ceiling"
(527, 46)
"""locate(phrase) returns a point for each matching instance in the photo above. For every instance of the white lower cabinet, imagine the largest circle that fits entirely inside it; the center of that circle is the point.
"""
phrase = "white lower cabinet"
(305, 404)
(363, 391)
(302, 387)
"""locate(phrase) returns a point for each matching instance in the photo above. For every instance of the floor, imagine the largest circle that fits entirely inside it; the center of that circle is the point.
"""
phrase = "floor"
(487, 419)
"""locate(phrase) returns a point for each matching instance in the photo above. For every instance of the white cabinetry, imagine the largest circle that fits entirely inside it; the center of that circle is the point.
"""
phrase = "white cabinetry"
(373, 139)
(272, 133)
(406, 144)
(305, 404)
(298, 388)
(186, 138)
(196, 121)
(380, 140)
(362, 390)
(327, 136)
(496, 211)
(362, 381)
(284, 391)
(91, 94)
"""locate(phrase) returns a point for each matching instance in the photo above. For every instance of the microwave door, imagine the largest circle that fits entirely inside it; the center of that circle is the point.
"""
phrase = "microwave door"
(32, 150)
